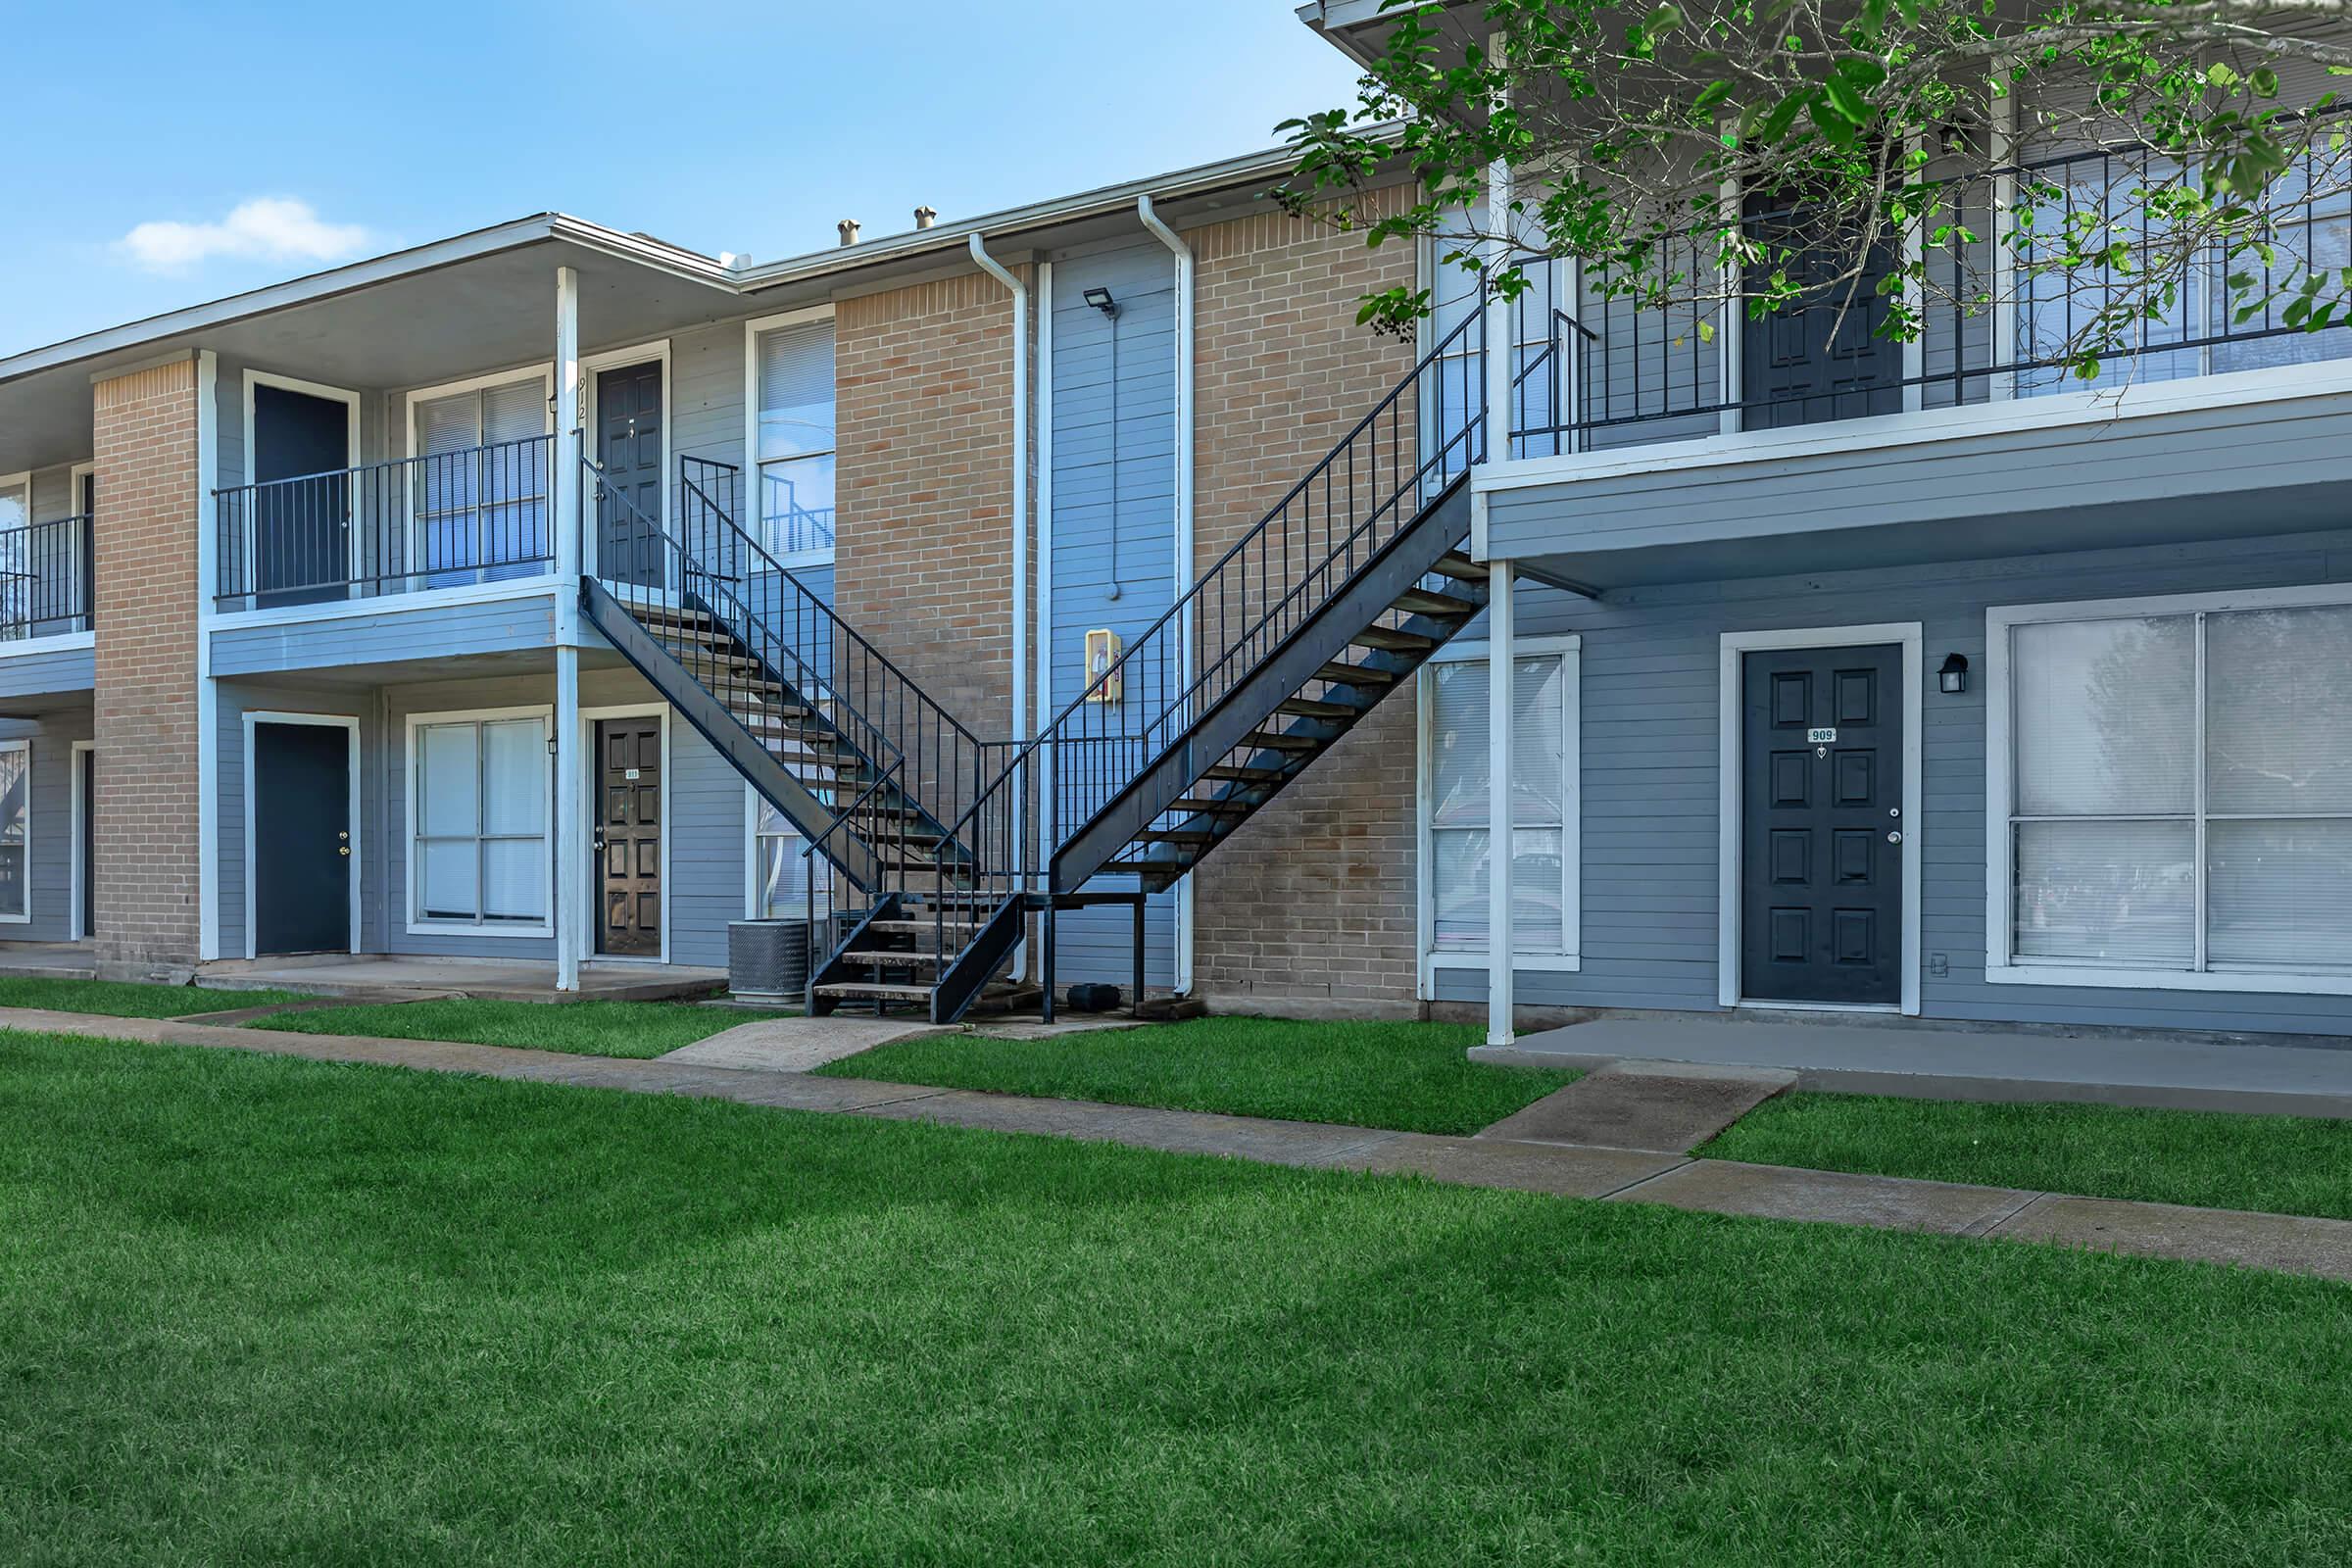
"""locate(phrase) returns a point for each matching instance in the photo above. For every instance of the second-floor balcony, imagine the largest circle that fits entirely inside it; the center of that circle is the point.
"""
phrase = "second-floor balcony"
(45, 577)
(2005, 315)
(446, 519)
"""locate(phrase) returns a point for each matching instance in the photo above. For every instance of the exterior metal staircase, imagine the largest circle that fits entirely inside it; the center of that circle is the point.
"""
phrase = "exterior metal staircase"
(1303, 625)
(854, 754)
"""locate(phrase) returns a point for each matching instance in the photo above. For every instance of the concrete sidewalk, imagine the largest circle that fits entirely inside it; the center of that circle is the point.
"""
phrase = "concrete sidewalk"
(2279, 1242)
(1931, 1063)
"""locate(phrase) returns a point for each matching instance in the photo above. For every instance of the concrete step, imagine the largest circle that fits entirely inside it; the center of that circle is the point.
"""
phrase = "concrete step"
(1645, 1105)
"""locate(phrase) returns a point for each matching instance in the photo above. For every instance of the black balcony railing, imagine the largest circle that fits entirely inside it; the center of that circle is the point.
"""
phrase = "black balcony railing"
(2005, 317)
(45, 573)
(448, 518)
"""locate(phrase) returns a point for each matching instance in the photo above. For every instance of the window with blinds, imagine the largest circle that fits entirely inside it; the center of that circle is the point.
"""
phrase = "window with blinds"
(781, 874)
(480, 484)
(478, 806)
(2180, 792)
(1456, 826)
(794, 368)
(16, 830)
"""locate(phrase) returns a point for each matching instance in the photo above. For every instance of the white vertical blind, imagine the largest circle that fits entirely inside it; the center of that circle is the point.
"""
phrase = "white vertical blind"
(480, 501)
(16, 826)
(481, 821)
(2133, 810)
(1542, 795)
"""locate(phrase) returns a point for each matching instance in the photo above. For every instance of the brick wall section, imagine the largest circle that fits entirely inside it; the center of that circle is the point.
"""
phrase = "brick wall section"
(146, 701)
(1312, 901)
(924, 377)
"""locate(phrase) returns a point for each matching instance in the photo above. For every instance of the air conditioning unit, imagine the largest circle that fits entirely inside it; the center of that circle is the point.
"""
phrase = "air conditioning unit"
(768, 960)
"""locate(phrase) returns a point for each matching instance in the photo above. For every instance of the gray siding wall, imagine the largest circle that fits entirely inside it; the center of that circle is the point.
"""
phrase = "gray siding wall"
(1991, 479)
(45, 670)
(50, 895)
(1650, 660)
(1115, 457)
(705, 807)
(498, 626)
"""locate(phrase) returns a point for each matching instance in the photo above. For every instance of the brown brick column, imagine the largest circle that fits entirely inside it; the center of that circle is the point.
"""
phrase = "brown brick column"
(145, 605)
(1312, 901)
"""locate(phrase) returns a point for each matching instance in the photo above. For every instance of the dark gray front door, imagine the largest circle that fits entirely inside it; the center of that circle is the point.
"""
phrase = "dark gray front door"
(1820, 850)
(302, 838)
(629, 443)
(1822, 360)
(302, 527)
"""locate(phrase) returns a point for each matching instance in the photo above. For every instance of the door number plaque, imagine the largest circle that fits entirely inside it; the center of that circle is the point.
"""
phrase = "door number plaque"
(1821, 737)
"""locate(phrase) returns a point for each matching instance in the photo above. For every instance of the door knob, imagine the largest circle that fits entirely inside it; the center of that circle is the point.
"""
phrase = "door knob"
(1894, 838)
(342, 849)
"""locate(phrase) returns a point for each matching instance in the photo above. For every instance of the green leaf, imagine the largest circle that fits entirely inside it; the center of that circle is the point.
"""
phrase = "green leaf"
(1713, 93)
(1843, 102)
(2266, 82)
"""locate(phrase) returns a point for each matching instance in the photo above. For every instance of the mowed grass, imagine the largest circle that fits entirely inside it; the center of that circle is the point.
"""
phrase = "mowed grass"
(1410, 1076)
(2288, 1164)
(269, 1311)
(122, 999)
(587, 1028)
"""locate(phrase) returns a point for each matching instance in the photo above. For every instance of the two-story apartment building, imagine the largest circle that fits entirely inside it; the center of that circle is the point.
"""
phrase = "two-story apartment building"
(544, 592)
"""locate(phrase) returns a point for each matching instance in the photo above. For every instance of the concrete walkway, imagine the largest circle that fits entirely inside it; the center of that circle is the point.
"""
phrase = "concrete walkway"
(1645, 1105)
(804, 1045)
(1925, 1062)
(2279, 1242)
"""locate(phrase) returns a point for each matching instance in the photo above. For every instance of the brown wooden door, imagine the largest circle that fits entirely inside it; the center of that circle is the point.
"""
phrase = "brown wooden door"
(628, 836)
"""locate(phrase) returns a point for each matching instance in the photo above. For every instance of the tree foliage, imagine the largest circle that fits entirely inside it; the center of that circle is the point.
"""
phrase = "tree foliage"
(2125, 155)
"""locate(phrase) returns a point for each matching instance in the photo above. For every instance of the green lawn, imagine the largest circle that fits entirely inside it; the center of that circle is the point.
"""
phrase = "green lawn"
(2283, 1163)
(1411, 1076)
(588, 1028)
(269, 1311)
(124, 1000)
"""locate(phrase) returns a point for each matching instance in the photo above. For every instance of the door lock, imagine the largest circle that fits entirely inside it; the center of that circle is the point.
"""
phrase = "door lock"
(342, 849)
(1894, 838)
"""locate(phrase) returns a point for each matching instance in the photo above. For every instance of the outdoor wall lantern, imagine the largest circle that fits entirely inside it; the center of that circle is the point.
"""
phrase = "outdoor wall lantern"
(1100, 300)
(1952, 679)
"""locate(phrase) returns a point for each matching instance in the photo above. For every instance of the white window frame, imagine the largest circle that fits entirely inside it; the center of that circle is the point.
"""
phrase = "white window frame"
(2000, 966)
(545, 374)
(1570, 957)
(352, 456)
(590, 919)
(750, 521)
(657, 351)
(24, 744)
(418, 926)
(351, 806)
(752, 802)
(1730, 821)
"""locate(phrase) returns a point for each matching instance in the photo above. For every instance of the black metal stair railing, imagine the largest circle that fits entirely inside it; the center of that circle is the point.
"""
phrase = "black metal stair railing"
(1416, 446)
(789, 660)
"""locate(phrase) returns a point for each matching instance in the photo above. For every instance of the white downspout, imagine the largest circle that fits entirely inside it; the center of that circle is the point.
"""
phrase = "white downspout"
(1183, 518)
(1020, 522)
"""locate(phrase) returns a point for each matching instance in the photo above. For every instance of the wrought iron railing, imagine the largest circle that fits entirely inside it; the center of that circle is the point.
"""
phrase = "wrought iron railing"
(45, 577)
(448, 518)
(2004, 312)
(1417, 441)
(887, 726)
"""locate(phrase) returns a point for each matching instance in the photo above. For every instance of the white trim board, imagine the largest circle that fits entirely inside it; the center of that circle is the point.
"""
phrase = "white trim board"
(2000, 968)
(589, 923)
(80, 755)
(1731, 755)
(1569, 647)
(537, 931)
(1879, 435)
(359, 861)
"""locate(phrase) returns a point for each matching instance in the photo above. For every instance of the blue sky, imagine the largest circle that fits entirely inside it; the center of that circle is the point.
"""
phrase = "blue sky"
(227, 146)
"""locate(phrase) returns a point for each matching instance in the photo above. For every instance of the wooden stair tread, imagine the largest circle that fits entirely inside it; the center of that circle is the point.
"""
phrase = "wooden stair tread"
(1356, 675)
(1422, 602)
(921, 928)
(1191, 806)
(1175, 835)
(1461, 567)
(908, 956)
(879, 989)
(1236, 772)
(1388, 640)
(1282, 741)
(1311, 708)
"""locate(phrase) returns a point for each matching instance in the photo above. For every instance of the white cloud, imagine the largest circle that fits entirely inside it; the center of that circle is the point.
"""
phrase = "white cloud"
(267, 228)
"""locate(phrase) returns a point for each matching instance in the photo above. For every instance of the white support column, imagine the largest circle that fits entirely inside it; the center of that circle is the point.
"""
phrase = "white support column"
(569, 524)
(1502, 664)
(570, 835)
(1730, 338)
(1915, 294)
(2002, 154)
(1498, 326)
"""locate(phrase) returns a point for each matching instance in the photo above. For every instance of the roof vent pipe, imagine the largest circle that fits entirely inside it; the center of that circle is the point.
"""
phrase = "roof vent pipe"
(925, 217)
(849, 227)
